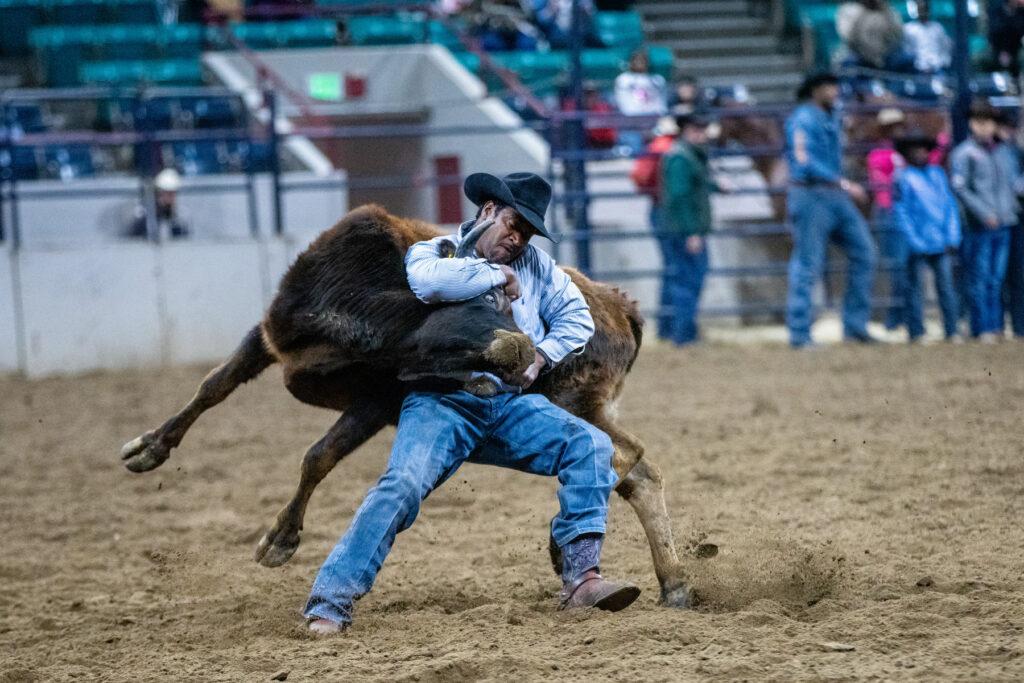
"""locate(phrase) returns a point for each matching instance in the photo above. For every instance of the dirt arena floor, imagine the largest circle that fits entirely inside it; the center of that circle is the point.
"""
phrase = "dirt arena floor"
(868, 503)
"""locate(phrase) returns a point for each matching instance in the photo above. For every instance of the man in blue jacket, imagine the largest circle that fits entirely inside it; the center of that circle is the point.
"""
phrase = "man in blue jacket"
(437, 432)
(926, 214)
(820, 209)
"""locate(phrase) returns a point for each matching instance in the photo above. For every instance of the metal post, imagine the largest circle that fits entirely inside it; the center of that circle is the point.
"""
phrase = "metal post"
(270, 99)
(962, 72)
(577, 167)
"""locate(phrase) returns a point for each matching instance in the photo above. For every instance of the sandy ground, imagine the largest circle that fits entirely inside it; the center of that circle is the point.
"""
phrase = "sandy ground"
(867, 497)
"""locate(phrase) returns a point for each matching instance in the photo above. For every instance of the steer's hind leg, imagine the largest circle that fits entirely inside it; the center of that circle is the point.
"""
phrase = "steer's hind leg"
(150, 450)
(361, 421)
(641, 485)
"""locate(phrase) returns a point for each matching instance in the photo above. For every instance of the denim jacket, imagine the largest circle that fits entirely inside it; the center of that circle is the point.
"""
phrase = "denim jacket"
(814, 149)
(551, 311)
(925, 211)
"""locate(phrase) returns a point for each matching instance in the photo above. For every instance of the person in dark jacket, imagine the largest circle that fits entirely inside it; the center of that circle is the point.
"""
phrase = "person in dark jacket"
(926, 215)
(684, 222)
(985, 174)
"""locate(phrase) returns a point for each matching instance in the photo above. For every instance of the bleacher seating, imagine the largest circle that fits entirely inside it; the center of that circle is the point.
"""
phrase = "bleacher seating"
(19, 17)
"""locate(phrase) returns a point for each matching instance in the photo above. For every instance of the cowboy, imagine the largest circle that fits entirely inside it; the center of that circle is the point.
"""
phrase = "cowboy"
(440, 430)
(821, 209)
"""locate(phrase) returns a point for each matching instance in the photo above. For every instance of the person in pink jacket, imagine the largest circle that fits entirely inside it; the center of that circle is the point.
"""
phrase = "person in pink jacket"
(883, 162)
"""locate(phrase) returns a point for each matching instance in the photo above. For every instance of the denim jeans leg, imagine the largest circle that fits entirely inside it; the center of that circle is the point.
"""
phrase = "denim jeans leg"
(896, 253)
(914, 309)
(436, 433)
(975, 256)
(999, 254)
(670, 251)
(531, 434)
(942, 266)
(1015, 279)
(855, 237)
(693, 268)
(811, 220)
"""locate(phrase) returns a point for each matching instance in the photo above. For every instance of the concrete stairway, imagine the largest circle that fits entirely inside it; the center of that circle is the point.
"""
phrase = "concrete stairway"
(720, 43)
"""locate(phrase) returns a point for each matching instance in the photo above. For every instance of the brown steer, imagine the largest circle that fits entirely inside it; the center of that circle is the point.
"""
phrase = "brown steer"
(348, 331)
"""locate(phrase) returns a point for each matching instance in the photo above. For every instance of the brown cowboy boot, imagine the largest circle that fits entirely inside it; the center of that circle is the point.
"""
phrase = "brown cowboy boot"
(583, 586)
(592, 590)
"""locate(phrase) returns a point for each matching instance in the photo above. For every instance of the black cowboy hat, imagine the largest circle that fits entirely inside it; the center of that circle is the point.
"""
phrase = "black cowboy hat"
(527, 193)
(813, 80)
(915, 138)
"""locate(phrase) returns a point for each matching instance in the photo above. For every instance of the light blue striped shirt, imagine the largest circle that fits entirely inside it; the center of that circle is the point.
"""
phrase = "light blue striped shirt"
(551, 311)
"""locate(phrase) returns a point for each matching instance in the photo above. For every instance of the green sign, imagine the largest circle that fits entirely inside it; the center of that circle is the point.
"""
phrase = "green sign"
(325, 86)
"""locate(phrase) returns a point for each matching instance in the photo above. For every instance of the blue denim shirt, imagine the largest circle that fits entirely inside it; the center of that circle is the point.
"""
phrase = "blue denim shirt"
(551, 311)
(814, 150)
(925, 210)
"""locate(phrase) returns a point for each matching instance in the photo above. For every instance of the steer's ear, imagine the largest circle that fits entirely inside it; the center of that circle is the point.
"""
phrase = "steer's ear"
(446, 249)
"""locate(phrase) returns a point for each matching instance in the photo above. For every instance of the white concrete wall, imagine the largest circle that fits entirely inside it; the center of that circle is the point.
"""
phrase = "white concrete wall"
(8, 319)
(134, 304)
(90, 308)
(212, 295)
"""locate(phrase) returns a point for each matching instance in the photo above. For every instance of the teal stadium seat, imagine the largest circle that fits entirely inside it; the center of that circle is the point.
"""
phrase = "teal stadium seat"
(17, 19)
(439, 34)
(155, 72)
(284, 34)
(77, 12)
(386, 30)
(623, 30)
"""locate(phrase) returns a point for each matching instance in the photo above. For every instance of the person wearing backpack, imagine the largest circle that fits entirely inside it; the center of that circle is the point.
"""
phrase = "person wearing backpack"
(645, 176)
(684, 221)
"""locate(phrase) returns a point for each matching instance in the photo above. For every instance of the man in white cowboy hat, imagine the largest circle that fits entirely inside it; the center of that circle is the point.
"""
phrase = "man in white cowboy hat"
(168, 221)
(440, 430)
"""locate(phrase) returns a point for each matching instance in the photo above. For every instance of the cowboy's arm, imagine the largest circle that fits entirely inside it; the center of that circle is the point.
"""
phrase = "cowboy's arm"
(435, 279)
(565, 313)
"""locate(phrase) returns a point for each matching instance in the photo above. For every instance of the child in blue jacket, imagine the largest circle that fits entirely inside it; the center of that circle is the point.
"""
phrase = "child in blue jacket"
(925, 212)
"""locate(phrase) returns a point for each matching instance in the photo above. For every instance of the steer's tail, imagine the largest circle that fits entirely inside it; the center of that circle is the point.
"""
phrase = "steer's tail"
(152, 448)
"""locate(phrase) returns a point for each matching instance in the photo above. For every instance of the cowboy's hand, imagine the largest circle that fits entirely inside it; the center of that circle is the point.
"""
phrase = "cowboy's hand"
(533, 372)
(511, 283)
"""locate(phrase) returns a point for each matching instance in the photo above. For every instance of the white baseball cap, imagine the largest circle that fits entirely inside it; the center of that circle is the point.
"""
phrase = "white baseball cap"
(168, 180)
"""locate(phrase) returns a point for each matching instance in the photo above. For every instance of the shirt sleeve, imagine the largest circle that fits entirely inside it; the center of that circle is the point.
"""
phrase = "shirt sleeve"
(435, 279)
(901, 214)
(564, 311)
(961, 168)
(954, 233)
(803, 146)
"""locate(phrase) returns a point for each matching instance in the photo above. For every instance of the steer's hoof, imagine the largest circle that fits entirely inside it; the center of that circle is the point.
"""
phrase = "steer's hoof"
(144, 453)
(513, 352)
(276, 547)
(682, 597)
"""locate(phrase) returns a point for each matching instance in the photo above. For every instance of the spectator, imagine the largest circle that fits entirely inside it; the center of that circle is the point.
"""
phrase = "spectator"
(554, 18)
(926, 42)
(638, 92)
(1005, 32)
(873, 33)
(169, 222)
(820, 207)
(684, 219)
(1014, 285)
(686, 96)
(984, 173)
(501, 26)
(882, 163)
(927, 216)
(603, 137)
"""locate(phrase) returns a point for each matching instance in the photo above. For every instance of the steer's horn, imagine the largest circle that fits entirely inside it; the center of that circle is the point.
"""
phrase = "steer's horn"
(469, 241)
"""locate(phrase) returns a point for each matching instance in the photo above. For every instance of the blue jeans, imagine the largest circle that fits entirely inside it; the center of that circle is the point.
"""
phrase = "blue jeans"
(986, 253)
(820, 214)
(942, 268)
(436, 434)
(1015, 280)
(681, 285)
(894, 249)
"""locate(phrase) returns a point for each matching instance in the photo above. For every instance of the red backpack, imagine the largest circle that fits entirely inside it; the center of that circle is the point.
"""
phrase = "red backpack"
(646, 173)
